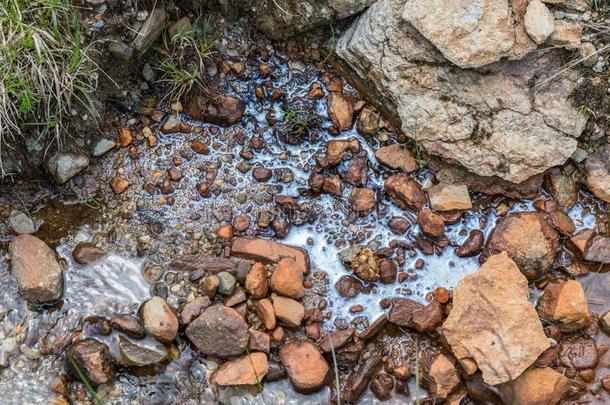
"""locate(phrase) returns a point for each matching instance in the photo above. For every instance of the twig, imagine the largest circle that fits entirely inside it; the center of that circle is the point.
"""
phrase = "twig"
(338, 383)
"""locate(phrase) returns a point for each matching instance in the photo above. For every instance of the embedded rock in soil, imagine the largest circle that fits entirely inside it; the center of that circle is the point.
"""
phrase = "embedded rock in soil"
(578, 352)
(485, 119)
(442, 376)
(92, 359)
(257, 283)
(340, 111)
(562, 187)
(288, 311)
(87, 252)
(540, 386)
(150, 31)
(269, 251)
(360, 378)
(565, 304)
(133, 354)
(64, 166)
(118, 185)
(597, 167)
(362, 200)
(598, 250)
(219, 110)
(287, 279)
(368, 121)
(159, 319)
(397, 157)
(305, 366)
(220, 332)
(539, 22)
(493, 324)
(431, 224)
(473, 245)
(449, 197)
(405, 192)
(246, 370)
(528, 239)
(129, 325)
(39, 275)
(469, 34)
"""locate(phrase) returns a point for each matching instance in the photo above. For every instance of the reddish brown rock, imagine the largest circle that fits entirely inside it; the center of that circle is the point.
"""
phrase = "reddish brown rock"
(194, 308)
(266, 313)
(431, 224)
(348, 286)
(269, 251)
(336, 148)
(38, 273)
(399, 225)
(261, 174)
(540, 386)
(92, 359)
(374, 328)
(332, 185)
(565, 304)
(362, 200)
(387, 271)
(125, 137)
(305, 366)
(578, 352)
(381, 386)
(246, 370)
(336, 339)
(578, 243)
(561, 186)
(259, 341)
(118, 185)
(402, 310)
(287, 279)
(491, 311)
(257, 283)
(360, 378)
(426, 319)
(449, 197)
(129, 325)
(288, 311)
(598, 250)
(442, 377)
(597, 167)
(200, 147)
(87, 252)
(473, 245)
(219, 110)
(405, 192)
(368, 121)
(220, 332)
(528, 239)
(357, 171)
(397, 157)
(340, 111)
(225, 232)
(159, 319)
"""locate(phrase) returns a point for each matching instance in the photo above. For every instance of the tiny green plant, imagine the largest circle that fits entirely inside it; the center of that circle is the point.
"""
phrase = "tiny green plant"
(259, 384)
(418, 151)
(83, 378)
(585, 109)
(331, 48)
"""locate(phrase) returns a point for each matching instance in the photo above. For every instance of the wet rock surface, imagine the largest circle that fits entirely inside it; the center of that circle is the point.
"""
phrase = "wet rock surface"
(93, 360)
(304, 365)
(220, 331)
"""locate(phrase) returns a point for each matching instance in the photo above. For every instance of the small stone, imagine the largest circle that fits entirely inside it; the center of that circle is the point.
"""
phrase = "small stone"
(87, 252)
(562, 187)
(129, 325)
(200, 147)
(540, 386)
(442, 377)
(220, 332)
(287, 279)
(118, 185)
(64, 166)
(125, 137)
(92, 359)
(598, 250)
(387, 271)
(405, 192)
(362, 200)
(397, 157)
(103, 146)
(565, 304)
(20, 222)
(133, 354)
(209, 286)
(431, 224)
(159, 319)
(578, 352)
(226, 282)
(539, 22)
(225, 232)
(368, 121)
(399, 225)
(566, 34)
(304, 365)
(257, 283)
(220, 110)
(340, 111)
(449, 197)
(194, 308)
(246, 370)
(348, 286)
(604, 322)
(288, 311)
(259, 341)
(336, 339)
(38, 273)
(381, 386)
(588, 53)
(473, 245)
(265, 312)
(426, 319)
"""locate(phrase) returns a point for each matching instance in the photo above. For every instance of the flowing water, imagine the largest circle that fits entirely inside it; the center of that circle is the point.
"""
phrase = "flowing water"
(31, 339)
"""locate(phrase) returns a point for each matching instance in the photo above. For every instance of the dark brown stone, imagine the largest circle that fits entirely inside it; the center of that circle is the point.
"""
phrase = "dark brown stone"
(402, 310)
(431, 224)
(578, 352)
(387, 271)
(598, 250)
(219, 110)
(92, 359)
(359, 380)
(87, 252)
(473, 245)
(348, 286)
(129, 325)
(382, 385)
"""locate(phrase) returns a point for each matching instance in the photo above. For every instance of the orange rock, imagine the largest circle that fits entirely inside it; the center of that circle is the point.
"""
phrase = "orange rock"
(397, 157)
(304, 365)
(225, 232)
(565, 304)
(449, 197)
(266, 313)
(442, 377)
(287, 279)
(340, 111)
(257, 283)
(540, 386)
(118, 185)
(246, 370)
(125, 137)
(288, 311)
(269, 251)
(362, 199)
(431, 224)
(405, 192)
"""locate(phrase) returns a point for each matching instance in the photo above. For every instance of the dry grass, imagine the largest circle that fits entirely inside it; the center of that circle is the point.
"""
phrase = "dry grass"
(45, 71)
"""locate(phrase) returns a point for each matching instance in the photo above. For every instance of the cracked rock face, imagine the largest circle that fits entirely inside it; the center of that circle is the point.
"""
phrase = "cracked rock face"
(498, 120)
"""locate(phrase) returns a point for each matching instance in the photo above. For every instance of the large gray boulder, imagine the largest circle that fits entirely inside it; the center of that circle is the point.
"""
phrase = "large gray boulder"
(502, 119)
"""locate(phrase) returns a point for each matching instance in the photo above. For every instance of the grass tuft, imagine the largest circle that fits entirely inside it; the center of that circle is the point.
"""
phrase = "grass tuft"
(83, 378)
(46, 70)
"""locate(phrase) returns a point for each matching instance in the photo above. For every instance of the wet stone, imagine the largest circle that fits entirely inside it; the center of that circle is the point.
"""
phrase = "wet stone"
(92, 359)
(223, 109)
(159, 319)
(20, 222)
(348, 286)
(362, 200)
(359, 380)
(220, 331)
(336, 339)
(304, 365)
(598, 250)
(129, 325)
(65, 166)
(565, 304)
(404, 192)
(194, 308)
(246, 370)
(287, 279)
(381, 386)
(340, 111)
(87, 252)
(399, 225)
(139, 355)
(449, 197)
(473, 245)
(431, 224)
(397, 157)
(387, 271)
(578, 352)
